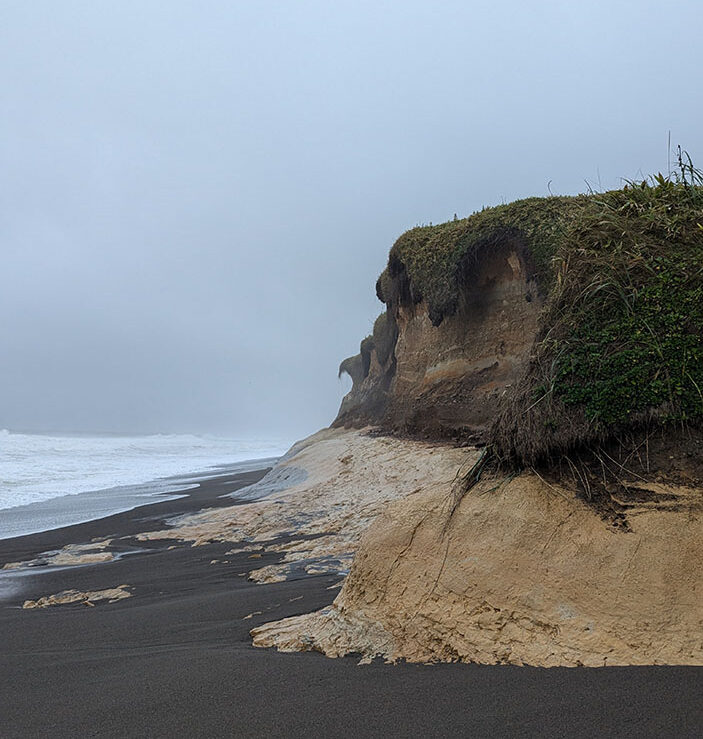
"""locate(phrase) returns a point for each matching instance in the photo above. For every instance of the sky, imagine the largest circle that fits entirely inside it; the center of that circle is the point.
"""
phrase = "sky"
(196, 198)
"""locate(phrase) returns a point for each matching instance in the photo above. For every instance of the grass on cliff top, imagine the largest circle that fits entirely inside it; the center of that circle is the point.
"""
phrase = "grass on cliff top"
(621, 339)
(620, 344)
(432, 256)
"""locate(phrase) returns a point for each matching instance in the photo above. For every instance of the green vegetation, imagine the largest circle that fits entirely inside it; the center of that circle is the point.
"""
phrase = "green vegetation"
(621, 343)
(632, 311)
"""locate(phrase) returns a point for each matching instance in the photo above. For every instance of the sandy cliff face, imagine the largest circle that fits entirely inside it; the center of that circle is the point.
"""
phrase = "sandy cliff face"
(594, 387)
(522, 572)
(446, 379)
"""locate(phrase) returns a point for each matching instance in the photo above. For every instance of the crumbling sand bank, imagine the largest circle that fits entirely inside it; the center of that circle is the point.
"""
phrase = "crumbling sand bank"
(522, 573)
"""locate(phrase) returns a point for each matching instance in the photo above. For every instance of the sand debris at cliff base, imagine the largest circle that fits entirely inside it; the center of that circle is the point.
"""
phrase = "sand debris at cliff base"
(88, 597)
(318, 501)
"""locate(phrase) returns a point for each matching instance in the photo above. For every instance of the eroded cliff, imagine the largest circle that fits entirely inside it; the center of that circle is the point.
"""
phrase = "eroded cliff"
(462, 306)
(520, 571)
(542, 326)
(566, 335)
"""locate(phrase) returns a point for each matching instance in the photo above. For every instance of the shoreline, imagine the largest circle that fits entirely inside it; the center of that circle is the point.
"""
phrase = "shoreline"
(176, 656)
(72, 509)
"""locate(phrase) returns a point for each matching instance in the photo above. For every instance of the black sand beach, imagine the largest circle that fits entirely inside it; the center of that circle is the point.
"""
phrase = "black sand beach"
(175, 659)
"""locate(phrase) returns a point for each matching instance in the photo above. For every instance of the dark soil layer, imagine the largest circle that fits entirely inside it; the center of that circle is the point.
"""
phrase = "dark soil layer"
(175, 659)
(613, 478)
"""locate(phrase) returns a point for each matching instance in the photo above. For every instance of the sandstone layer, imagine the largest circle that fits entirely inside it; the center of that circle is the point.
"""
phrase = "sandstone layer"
(521, 572)
(446, 379)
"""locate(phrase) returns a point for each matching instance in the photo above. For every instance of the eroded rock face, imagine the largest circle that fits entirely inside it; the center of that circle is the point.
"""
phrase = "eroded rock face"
(447, 380)
(366, 403)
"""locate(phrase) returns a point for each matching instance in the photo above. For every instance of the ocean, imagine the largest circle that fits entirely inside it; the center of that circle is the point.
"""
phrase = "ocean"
(58, 480)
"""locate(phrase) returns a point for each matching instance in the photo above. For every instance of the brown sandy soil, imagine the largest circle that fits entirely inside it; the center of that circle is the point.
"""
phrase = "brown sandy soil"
(446, 380)
(523, 572)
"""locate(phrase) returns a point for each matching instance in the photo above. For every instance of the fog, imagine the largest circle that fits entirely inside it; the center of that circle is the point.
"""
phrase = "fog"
(197, 197)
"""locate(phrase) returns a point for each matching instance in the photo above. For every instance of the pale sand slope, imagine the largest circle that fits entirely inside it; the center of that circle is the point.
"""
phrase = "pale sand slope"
(524, 573)
(324, 493)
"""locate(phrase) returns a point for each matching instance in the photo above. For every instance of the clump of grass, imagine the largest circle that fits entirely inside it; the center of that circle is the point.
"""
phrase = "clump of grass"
(621, 339)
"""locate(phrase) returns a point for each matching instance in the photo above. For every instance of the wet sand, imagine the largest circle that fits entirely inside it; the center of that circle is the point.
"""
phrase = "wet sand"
(175, 659)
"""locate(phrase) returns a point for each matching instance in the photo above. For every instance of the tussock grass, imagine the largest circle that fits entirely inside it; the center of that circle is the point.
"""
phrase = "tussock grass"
(621, 338)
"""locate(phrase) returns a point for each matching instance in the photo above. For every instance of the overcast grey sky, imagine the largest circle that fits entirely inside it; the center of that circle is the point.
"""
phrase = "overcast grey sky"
(196, 198)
